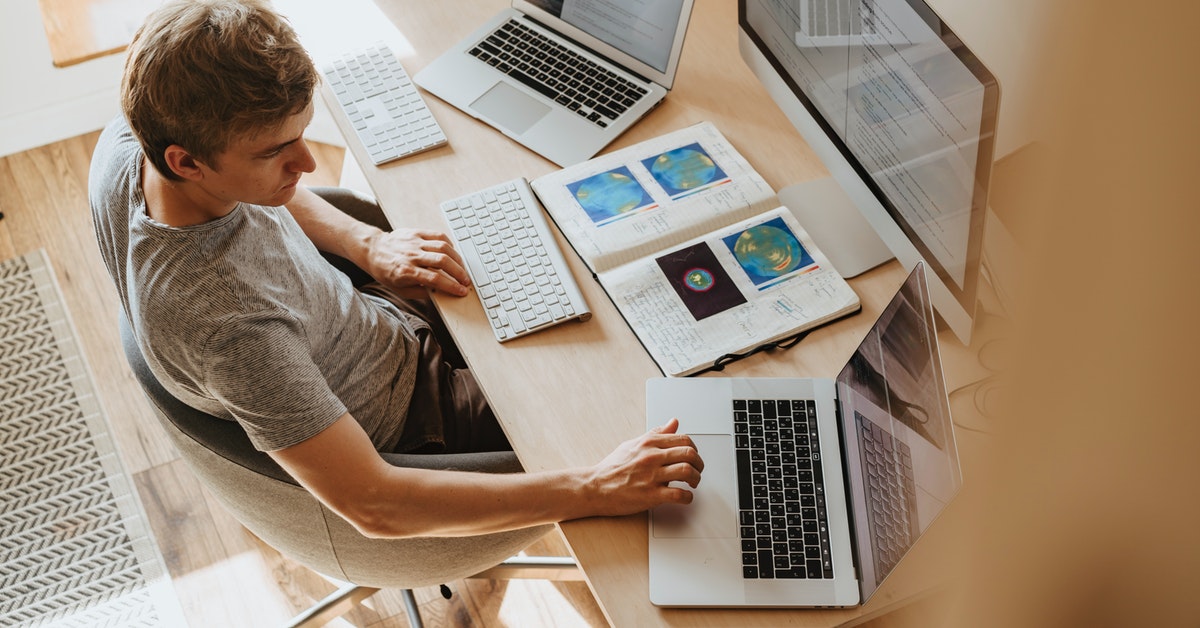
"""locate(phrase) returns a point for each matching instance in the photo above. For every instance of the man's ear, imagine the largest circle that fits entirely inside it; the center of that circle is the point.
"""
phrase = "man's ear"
(182, 163)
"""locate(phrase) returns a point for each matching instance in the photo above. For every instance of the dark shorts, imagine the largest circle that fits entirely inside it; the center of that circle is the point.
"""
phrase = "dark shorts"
(448, 412)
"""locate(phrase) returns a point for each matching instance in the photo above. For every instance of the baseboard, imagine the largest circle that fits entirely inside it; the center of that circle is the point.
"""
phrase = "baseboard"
(58, 122)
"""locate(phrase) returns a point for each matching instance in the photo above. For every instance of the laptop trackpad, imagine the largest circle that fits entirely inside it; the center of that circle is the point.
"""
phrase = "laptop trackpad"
(712, 514)
(510, 108)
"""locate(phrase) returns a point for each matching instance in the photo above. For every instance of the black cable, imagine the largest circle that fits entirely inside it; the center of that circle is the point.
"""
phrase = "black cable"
(987, 385)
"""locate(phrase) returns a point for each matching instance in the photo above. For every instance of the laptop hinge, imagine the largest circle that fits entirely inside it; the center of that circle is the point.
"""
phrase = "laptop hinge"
(843, 443)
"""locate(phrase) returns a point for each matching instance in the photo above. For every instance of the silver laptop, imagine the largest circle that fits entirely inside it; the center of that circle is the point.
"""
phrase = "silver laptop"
(564, 77)
(813, 489)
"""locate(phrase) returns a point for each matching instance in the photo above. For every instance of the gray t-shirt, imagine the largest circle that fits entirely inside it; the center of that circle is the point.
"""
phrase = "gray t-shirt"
(242, 318)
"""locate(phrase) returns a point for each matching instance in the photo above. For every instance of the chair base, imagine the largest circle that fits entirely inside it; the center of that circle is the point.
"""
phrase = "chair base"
(338, 603)
(553, 568)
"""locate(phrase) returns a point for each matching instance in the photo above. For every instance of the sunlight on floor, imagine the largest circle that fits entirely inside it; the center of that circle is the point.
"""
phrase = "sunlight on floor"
(525, 600)
(218, 596)
(340, 622)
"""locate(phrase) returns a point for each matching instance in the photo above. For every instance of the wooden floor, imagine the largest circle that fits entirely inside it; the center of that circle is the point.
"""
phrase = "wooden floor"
(224, 576)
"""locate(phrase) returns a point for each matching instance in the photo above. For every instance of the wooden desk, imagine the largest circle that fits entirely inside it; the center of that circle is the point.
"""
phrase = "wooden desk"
(567, 396)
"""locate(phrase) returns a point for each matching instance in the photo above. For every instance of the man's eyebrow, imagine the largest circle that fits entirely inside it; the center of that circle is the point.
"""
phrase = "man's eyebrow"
(278, 147)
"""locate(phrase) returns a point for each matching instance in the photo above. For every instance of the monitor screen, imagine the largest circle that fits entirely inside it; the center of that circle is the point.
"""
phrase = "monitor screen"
(906, 105)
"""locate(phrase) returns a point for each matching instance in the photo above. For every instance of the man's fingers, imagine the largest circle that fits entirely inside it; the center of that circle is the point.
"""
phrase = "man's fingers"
(681, 472)
(688, 455)
(440, 280)
(453, 277)
(667, 428)
(669, 441)
(432, 270)
(430, 235)
(453, 265)
(441, 246)
(675, 464)
(676, 495)
(447, 284)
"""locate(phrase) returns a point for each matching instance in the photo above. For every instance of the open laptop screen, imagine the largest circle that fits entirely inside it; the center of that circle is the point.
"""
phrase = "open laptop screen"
(901, 460)
(648, 32)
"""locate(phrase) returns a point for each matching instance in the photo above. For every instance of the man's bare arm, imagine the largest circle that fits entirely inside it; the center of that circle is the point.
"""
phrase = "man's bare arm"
(341, 468)
(401, 259)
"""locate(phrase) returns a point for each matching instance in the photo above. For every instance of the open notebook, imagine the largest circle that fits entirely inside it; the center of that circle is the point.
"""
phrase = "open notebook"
(694, 249)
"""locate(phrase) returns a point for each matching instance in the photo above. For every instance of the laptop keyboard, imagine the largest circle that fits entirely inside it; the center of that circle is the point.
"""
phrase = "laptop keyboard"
(514, 261)
(557, 72)
(891, 494)
(783, 524)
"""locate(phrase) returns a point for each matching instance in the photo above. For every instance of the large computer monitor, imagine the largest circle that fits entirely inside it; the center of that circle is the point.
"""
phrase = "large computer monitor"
(902, 115)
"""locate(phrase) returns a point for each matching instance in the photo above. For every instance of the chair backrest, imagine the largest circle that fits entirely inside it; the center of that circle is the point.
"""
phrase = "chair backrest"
(269, 503)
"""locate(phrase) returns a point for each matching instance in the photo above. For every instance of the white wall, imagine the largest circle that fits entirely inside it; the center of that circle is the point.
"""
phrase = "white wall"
(1011, 38)
(40, 103)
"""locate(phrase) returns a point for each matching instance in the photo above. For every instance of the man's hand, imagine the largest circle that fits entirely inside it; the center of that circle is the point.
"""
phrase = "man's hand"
(636, 475)
(407, 258)
(404, 259)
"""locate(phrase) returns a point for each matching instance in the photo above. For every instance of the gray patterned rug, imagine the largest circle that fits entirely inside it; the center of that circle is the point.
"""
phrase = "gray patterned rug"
(75, 547)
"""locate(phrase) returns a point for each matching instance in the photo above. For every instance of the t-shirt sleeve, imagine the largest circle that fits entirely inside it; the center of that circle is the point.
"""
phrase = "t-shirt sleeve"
(260, 368)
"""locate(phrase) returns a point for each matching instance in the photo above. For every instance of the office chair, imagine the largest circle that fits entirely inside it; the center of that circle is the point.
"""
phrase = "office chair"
(275, 508)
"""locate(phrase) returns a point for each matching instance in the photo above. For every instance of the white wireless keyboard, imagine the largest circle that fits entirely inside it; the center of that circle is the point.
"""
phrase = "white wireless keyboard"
(388, 114)
(514, 261)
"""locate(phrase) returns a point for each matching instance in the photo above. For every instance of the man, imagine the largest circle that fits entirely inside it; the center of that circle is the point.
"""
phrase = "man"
(215, 252)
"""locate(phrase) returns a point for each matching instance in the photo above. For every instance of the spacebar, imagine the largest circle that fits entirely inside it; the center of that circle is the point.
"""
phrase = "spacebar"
(534, 83)
(479, 275)
(745, 487)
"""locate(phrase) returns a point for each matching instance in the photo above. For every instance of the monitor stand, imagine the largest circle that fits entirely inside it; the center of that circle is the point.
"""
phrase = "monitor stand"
(839, 229)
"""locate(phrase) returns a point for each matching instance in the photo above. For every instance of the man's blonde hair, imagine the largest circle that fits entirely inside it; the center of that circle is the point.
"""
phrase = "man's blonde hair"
(200, 73)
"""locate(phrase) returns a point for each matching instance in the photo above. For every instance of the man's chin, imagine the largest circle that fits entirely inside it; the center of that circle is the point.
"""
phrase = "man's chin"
(281, 197)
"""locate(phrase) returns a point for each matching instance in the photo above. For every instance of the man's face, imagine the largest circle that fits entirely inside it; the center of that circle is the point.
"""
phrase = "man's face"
(263, 169)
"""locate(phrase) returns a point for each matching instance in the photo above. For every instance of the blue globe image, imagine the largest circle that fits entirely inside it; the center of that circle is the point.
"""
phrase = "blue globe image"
(698, 280)
(768, 251)
(609, 194)
(684, 169)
